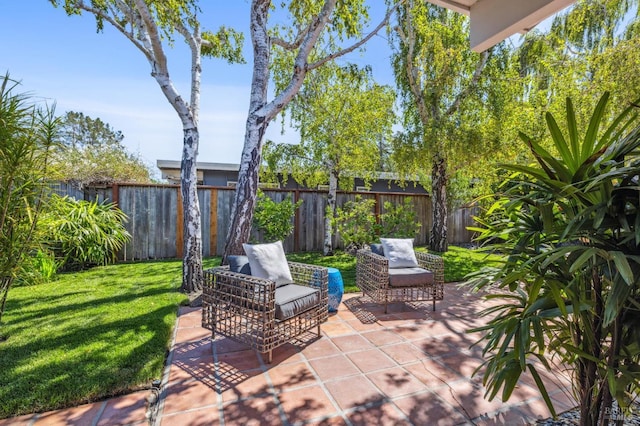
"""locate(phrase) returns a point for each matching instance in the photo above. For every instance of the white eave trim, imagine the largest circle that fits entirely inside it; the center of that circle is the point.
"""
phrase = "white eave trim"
(494, 20)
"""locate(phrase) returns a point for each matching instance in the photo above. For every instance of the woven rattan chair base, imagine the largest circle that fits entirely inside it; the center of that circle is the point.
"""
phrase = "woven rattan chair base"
(372, 278)
(242, 307)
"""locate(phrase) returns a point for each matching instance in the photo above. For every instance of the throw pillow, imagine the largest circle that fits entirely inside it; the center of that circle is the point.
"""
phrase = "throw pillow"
(377, 249)
(268, 261)
(400, 253)
(239, 264)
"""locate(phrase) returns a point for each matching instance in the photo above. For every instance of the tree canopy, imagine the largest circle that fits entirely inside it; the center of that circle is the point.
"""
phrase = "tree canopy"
(92, 153)
(451, 99)
(342, 116)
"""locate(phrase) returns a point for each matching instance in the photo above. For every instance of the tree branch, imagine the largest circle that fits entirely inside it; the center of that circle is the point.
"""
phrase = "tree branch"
(159, 59)
(194, 40)
(300, 66)
(295, 44)
(484, 57)
(356, 45)
(412, 72)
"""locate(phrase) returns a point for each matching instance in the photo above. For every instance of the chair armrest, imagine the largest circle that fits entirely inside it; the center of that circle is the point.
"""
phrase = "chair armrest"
(310, 275)
(225, 286)
(372, 271)
(432, 262)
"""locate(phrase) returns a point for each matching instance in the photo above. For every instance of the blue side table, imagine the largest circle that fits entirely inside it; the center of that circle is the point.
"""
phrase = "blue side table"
(336, 289)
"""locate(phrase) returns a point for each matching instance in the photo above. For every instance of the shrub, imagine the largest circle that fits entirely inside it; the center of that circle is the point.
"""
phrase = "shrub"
(274, 219)
(81, 233)
(40, 267)
(356, 223)
(571, 281)
(399, 220)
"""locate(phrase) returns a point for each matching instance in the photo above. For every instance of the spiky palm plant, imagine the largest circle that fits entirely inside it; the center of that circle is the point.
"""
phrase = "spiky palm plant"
(570, 228)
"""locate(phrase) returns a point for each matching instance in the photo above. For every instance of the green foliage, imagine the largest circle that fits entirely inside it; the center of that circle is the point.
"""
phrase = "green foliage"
(40, 267)
(356, 223)
(81, 233)
(105, 164)
(453, 102)
(399, 220)
(27, 134)
(88, 335)
(225, 44)
(92, 153)
(274, 219)
(570, 284)
(585, 52)
(78, 130)
(343, 117)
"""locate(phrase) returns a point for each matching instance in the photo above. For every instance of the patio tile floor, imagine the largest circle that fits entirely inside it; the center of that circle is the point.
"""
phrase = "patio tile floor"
(411, 366)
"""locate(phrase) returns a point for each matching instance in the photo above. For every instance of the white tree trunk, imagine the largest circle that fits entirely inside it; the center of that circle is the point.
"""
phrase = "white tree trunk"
(192, 243)
(191, 221)
(257, 122)
(145, 35)
(262, 112)
(246, 188)
(331, 211)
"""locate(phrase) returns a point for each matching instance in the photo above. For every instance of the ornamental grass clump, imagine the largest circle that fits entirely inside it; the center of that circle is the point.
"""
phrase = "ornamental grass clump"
(27, 135)
(82, 233)
(569, 287)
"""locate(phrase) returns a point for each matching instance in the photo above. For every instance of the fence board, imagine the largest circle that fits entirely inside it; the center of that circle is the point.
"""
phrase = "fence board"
(155, 222)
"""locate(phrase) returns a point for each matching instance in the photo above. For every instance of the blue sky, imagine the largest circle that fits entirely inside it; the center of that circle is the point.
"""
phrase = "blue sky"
(62, 59)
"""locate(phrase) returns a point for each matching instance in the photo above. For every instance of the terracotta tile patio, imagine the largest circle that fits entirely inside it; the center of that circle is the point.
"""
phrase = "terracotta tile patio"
(411, 366)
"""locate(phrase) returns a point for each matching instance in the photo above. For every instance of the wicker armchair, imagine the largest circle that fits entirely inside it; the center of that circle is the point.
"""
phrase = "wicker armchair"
(244, 308)
(373, 279)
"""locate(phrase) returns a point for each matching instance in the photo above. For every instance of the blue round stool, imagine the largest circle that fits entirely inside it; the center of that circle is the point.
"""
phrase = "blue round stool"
(336, 289)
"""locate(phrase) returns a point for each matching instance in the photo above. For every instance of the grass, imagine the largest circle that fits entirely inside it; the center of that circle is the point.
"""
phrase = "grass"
(87, 335)
(459, 261)
(103, 332)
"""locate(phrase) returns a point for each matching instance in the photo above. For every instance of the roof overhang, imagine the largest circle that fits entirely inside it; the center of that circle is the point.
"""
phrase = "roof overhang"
(494, 20)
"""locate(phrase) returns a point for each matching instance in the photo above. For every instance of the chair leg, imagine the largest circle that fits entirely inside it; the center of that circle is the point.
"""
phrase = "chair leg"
(319, 330)
(270, 356)
(434, 304)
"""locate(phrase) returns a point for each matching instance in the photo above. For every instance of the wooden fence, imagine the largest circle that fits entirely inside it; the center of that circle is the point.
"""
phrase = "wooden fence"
(155, 217)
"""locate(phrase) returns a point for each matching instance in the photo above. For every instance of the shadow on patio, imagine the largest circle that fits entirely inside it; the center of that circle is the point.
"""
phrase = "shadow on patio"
(411, 366)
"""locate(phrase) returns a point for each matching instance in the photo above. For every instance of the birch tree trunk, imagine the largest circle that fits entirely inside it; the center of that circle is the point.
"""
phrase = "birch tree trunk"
(262, 112)
(331, 211)
(192, 243)
(257, 122)
(438, 235)
(246, 188)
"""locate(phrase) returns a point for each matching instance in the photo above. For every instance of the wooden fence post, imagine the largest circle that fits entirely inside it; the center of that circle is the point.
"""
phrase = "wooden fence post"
(213, 223)
(296, 225)
(115, 194)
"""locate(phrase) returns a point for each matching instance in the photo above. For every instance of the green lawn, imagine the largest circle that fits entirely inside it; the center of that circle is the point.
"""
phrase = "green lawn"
(87, 335)
(103, 332)
(459, 262)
